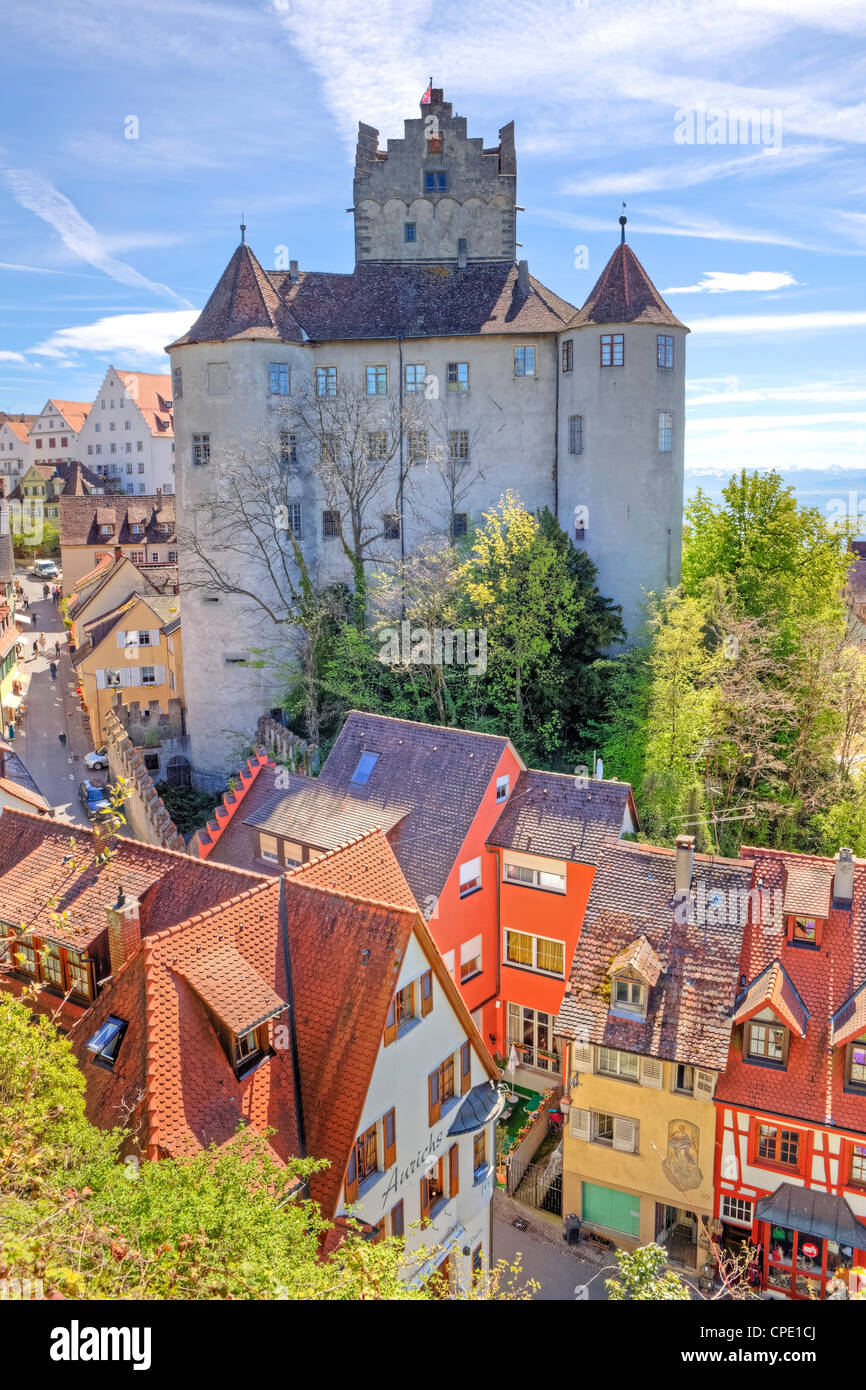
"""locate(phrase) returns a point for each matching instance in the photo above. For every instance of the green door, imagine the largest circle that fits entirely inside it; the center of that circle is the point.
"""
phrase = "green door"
(605, 1206)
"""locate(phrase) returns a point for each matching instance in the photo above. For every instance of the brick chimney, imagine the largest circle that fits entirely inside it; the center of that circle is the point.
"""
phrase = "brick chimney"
(523, 277)
(685, 861)
(293, 272)
(118, 552)
(124, 929)
(843, 878)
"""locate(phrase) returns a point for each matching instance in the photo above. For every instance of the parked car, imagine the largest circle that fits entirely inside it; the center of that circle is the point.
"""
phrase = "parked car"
(97, 759)
(44, 569)
(94, 799)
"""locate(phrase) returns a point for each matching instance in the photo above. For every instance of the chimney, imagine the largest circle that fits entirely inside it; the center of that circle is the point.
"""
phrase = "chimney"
(124, 930)
(293, 272)
(523, 277)
(843, 878)
(685, 859)
(159, 499)
(461, 253)
(118, 552)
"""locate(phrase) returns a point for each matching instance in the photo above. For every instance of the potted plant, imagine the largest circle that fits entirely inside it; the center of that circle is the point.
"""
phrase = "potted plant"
(502, 1148)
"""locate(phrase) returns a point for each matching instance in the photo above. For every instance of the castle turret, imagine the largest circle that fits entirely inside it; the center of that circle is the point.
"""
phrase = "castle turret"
(621, 431)
(436, 195)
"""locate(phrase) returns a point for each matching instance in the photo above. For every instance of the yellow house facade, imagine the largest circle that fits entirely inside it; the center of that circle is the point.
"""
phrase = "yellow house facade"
(134, 652)
(644, 1029)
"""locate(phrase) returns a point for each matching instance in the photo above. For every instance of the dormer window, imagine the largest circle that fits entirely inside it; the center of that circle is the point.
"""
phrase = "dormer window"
(106, 530)
(629, 997)
(805, 931)
(248, 1049)
(855, 1064)
(766, 1042)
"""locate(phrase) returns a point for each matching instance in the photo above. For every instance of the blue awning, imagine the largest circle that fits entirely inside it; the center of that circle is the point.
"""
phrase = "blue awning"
(481, 1105)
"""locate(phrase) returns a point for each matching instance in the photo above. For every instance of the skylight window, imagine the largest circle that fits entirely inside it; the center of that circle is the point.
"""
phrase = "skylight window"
(361, 776)
(105, 1043)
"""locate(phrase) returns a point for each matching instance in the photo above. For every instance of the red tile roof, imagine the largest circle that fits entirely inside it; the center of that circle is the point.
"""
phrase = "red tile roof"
(73, 412)
(366, 865)
(773, 990)
(624, 293)
(151, 392)
(826, 978)
(641, 958)
(807, 889)
(232, 989)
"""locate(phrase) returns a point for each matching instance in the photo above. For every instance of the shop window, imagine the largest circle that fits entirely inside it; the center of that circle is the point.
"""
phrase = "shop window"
(738, 1210)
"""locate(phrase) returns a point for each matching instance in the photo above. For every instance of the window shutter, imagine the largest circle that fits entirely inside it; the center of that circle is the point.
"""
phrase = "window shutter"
(705, 1083)
(121, 638)
(426, 993)
(352, 1177)
(579, 1123)
(389, 1130)
(448, 957)
(391, 1024)
(100, 680)
(154, 636)
(453, 1170)
(624, 1135)
(581, 1057)
(465, 1067)
(425, 1200)
(129, 675)
(651, 1072)
(159, 673)
(433, 1102)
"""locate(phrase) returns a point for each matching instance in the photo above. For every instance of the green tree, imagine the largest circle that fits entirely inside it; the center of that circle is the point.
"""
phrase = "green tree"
(643, 1278)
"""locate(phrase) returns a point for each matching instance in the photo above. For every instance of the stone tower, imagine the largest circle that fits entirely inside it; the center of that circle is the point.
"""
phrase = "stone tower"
(435, 196)
(621, 434)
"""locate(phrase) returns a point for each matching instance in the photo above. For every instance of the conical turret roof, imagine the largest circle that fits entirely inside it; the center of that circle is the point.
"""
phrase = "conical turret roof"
(243, 305)
(624, 293)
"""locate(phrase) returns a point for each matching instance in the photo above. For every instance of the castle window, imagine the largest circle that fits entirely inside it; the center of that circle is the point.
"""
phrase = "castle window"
(435, 181)
(417, 446)
(416, 375)
(97, 427)
(128, 447)
(330, 525)
(127, 424)
(568, 355)
(459, 444)
(524, 361)
(326, 381)
(575, 434)
(201, 448)
(278, 378)
(665, 351)
(458, 376)
(288, 448)
(666, 432)
(90, 448)
(408, 231)
(392, 527)
(377, 381)
(377, 444)
(139, 447)
(98, 450)
(459, 524)
(612, 349)
(177, 382)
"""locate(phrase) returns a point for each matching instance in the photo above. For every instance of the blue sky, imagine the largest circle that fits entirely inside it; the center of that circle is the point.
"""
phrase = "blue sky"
(108, 244)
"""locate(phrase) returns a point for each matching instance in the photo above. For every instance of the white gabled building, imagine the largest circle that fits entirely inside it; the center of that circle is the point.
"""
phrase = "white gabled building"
(14, 449)
(128, 438)
(54, 434)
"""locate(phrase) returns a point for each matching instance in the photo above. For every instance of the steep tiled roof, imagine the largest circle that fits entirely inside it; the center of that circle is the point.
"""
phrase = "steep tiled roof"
(30, 798)
(437, 776)
(376, 300)
(315, 815)
(827, 978)
(773, 990)
(807, 889)
(21, 428)
(689, 1008)
(850, 1021)
(232, 989)
(80, 520)
(73, 412)
(640, 957)
(624, 293)
(366, 865)
(152, 393)
(547, 813)
(33, 875)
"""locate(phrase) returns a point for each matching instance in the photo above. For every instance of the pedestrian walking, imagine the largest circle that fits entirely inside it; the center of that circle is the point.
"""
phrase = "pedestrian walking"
(26, 602)
(42, 642)
(57, 650)
(45, 590)
(53, 669)
(62, 738)
(35, 649)
(10, 732)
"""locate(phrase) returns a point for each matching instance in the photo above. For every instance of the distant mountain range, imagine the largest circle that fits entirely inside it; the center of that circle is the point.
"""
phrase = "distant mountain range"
(834, 491)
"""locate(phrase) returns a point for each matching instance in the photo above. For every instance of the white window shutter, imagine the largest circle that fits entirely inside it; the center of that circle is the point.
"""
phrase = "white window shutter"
(121, 637)
(624, 1134)
(581, 1057)
(448, 958)
(154, 636)
(100, 680)
(705, 1083)
(129, 675)
(579, 1123)
(651, 1072)
(160, 680)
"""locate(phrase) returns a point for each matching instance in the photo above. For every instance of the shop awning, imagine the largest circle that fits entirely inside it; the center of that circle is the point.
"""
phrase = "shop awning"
(482, 1104)
(454, 1238)
(11, 701)
(814, 1213)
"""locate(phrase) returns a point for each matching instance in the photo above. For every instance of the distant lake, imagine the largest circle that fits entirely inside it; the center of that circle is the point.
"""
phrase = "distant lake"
(832, 491)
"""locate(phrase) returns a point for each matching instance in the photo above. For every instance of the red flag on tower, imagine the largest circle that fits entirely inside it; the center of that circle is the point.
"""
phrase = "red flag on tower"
(428, 95)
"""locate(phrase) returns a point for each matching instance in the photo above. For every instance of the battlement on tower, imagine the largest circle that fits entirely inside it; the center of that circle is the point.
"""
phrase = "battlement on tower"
(436, 195)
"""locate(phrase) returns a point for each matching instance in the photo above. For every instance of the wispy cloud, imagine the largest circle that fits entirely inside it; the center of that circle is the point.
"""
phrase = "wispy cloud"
(139, 335)
(11, 357)
(818, 322)
(78, 236)
(681, 174)
(728, 281)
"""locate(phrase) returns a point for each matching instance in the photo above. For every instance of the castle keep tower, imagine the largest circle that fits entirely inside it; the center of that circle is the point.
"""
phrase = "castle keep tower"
(434, 196)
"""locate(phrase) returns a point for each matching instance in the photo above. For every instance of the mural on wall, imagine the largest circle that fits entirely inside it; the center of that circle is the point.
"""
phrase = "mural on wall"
(680, 1165)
